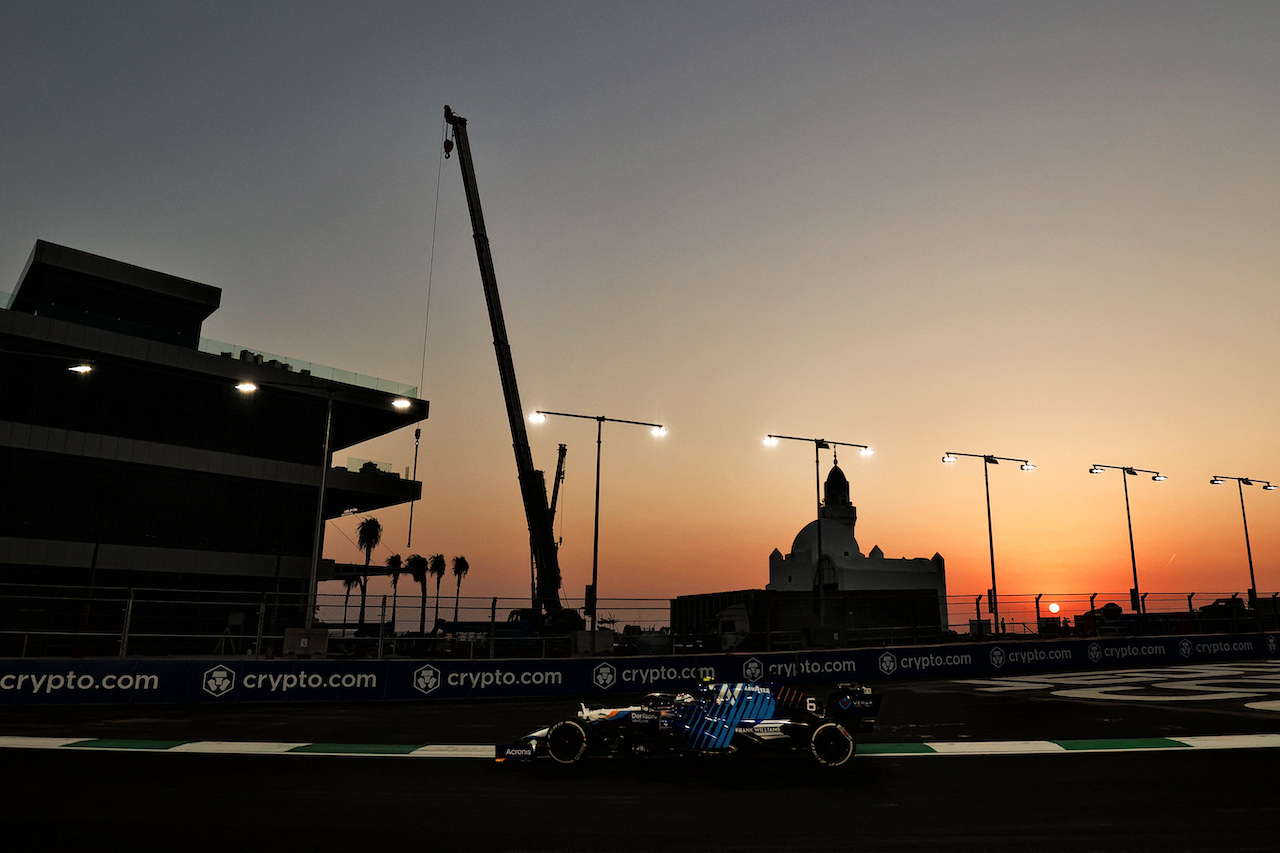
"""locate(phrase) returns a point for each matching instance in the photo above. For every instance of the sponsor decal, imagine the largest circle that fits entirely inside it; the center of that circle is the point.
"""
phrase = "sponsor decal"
(515, 752)
(1095, 652)
(604, 676)
(218, 681)
(997, 657)
(1186, 648)
(888, 663)
(426, 679)
(1271, 645)
(752, 670)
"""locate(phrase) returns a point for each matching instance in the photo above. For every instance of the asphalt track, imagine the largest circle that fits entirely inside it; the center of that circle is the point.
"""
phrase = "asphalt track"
(1157, 778)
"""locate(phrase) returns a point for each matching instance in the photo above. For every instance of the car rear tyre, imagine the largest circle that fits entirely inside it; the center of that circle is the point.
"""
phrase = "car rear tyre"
(567, 742)
(832, 745)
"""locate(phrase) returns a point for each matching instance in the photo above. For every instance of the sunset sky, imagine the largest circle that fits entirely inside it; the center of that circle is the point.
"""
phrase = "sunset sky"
(1039, 230)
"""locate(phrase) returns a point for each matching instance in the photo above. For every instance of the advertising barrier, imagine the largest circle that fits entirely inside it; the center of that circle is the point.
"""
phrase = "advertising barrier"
(63, 682)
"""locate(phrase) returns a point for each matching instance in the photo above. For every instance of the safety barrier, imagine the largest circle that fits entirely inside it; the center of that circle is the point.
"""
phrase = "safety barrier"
(62, 682)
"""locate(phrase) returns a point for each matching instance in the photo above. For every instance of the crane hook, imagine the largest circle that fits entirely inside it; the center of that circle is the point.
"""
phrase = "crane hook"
(448, 148)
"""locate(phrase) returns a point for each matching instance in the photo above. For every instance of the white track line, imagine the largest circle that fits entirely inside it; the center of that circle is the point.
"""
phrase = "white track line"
(232, 747)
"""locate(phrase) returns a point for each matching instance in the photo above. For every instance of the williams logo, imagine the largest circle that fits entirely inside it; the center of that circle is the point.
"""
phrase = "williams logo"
(888, 663)
(426, 679)
(604, 676)
(218, 681)
(752, 670)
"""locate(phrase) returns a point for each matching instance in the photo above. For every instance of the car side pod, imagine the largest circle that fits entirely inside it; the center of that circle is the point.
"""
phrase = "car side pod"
(854, 705)
(567, 742)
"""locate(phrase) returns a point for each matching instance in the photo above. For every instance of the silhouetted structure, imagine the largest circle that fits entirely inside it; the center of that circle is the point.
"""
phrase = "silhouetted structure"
(153, 470)
(866, 598)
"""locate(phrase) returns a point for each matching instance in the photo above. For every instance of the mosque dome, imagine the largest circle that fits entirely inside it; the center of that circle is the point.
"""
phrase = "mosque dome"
(838, 541)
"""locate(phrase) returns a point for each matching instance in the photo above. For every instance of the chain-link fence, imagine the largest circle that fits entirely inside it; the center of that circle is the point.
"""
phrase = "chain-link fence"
(78, 621)
(68, 621)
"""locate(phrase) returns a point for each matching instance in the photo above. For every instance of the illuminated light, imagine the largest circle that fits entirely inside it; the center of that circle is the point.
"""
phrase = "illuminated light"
(1096, 469)
(81, 368)
(1054, 608)
(770, 441)
(1027, 466)
(658, 431)
(1216, 481)
(537, 418)
(1270, 487)
(1159, 478)
(246, 387)
(866, 451)
(400, 403)
(948, 458)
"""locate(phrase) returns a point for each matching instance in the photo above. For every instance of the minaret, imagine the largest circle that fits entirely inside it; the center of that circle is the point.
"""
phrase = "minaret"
(835, 497)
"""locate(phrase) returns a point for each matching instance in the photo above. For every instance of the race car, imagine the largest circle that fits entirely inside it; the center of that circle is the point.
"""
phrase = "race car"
(715, 719)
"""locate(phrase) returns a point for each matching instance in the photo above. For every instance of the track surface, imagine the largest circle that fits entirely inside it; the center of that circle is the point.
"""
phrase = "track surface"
(1165, 799)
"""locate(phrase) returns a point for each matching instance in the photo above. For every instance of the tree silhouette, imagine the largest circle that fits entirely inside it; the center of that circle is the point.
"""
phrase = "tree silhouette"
(416, 565)
(460, 569)
(395, 564)
(347, 583)
(437, 567)
(368, 537)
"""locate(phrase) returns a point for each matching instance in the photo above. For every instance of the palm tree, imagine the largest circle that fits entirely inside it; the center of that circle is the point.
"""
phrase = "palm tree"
(460, 569)
(368, 537)
(395, 564)
(347, 583)
(416, 565)
(437, 567)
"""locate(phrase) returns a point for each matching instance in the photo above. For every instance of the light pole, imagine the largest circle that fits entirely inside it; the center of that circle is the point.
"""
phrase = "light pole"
(1127, 471)
(818, 444)
(1241, 482)
(993, 604)
(317, 541)
(657, 430)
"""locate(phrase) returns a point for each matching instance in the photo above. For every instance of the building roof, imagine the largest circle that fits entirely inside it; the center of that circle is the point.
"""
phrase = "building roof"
(91, 290)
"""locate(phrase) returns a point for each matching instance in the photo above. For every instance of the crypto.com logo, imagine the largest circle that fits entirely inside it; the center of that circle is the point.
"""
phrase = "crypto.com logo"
(218, 681)
(426, 679)
(752, 670)
(604, 676)
(997, 657)
(888, 663)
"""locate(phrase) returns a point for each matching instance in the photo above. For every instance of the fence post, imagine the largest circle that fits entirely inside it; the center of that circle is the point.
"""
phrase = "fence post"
(124, 631)
(493, 619)
(382, 625)
(262, 613)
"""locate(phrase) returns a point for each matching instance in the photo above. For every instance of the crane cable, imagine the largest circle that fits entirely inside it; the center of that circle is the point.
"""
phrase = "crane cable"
(426, 323)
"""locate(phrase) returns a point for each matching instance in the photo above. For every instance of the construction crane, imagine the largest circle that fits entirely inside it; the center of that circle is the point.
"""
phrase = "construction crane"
(551, 614)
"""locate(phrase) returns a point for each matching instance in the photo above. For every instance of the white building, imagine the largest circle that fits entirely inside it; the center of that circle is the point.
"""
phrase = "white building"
(844, 566)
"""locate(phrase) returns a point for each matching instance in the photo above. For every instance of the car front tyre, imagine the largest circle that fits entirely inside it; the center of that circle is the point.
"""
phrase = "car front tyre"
(832, 745)
(567, 742)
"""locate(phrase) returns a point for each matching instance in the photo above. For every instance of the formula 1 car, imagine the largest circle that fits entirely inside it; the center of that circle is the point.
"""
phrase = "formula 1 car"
(716, 719)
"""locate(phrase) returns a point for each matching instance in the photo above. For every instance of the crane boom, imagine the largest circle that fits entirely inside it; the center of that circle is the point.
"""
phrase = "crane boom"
(533, 486)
